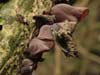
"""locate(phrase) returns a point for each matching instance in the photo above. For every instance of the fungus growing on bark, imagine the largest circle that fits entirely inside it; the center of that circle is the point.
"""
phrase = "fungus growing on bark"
(64, 12)
(26, 68)
(44, 41)
(41, 20)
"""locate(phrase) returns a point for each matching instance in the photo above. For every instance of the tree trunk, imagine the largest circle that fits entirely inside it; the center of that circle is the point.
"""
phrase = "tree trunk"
(14, 34)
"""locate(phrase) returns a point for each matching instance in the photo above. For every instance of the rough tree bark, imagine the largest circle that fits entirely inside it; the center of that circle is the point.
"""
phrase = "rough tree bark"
(14, 34)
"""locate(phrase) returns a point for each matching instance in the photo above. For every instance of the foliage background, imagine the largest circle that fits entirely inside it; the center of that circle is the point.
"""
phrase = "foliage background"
(14, 35)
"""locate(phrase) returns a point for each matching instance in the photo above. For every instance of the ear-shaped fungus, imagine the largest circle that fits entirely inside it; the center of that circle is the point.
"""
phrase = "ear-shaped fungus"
(41, 20)
(27, 66)
(67, 12)
(43, 43)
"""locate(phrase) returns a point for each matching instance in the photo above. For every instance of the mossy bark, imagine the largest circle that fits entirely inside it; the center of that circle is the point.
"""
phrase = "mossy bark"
(14, 35)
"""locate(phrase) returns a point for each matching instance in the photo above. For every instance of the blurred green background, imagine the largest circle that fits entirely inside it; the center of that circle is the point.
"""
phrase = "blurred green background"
(13, 38)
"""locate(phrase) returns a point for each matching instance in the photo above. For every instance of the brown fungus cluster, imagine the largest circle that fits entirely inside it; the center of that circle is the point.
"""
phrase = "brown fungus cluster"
(61, 18)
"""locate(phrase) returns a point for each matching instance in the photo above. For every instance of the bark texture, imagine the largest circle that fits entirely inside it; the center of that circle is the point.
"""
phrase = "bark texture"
(14, 34)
